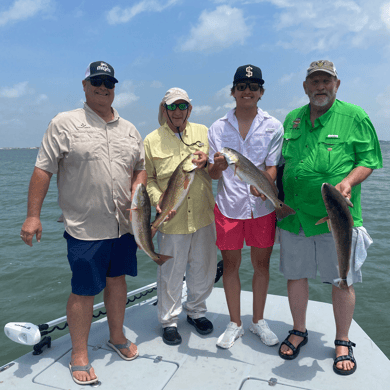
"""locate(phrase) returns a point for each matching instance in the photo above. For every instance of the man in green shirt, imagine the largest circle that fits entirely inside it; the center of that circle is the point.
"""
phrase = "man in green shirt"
(334, 142)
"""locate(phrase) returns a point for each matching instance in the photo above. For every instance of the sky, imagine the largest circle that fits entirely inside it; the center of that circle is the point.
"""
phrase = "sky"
(155, 45)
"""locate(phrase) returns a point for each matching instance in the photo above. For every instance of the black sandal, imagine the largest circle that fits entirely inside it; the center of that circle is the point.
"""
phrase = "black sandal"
(294, 349)
(350, 357)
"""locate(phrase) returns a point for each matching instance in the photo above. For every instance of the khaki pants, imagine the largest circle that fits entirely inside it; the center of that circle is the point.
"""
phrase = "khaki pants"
(195, 255)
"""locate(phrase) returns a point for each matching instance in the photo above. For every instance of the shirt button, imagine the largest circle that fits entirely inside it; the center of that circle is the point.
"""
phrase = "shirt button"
(189, 211)
(301, 161)
(296, 178)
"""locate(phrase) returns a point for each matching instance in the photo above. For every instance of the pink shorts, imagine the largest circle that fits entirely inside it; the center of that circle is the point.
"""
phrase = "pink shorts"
(258, 232)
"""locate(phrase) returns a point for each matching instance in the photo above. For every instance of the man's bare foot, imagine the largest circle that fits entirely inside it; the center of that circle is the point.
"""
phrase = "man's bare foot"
(82, 360)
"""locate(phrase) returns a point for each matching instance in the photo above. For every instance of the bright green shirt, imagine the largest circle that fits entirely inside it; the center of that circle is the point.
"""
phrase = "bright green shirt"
(341, 140)
(163, 153)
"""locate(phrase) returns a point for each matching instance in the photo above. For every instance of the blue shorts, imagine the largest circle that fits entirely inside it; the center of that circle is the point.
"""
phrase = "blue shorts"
(92, 262)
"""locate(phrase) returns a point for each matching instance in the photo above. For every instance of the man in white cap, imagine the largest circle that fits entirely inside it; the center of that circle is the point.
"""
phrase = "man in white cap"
(325, 141)
(188, 234)
(99, 160)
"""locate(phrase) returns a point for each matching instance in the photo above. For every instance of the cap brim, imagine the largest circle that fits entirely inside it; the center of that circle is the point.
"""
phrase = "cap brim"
(102, 74)
(246, 79)
(175, 99)
(321, 70)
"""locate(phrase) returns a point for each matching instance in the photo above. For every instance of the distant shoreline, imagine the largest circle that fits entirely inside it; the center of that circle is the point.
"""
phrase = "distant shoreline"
(37, 147)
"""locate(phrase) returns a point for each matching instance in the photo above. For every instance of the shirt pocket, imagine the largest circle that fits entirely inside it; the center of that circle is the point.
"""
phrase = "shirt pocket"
(86, 147)
(163, 163)
(129, 151)
(328, 154)
(290, 148)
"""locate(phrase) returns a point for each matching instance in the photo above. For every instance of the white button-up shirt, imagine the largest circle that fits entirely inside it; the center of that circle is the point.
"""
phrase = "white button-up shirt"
(262, 146)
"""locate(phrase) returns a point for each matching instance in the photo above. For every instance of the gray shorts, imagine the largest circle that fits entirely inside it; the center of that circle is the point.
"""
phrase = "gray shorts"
(301, 256)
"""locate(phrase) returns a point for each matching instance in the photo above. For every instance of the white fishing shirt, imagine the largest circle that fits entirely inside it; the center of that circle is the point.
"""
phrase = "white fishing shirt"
(262, 146)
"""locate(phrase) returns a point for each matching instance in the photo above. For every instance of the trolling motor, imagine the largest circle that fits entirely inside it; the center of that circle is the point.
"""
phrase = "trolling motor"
(27, 333)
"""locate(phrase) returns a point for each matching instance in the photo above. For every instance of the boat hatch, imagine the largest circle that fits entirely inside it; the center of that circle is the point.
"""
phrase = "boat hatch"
(143, 373)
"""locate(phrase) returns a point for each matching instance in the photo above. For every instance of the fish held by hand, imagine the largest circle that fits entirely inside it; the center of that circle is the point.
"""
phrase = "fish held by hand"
(340, 223)
(178, 186)
(249, 173)
(140, 222)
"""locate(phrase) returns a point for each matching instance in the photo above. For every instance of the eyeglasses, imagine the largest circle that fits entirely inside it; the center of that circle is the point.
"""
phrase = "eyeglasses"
(252, 86)
(96, 82)
(173, 106)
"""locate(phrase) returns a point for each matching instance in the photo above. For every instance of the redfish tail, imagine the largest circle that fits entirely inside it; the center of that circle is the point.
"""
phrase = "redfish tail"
(283, 211)
(162, 259)
(342, 284)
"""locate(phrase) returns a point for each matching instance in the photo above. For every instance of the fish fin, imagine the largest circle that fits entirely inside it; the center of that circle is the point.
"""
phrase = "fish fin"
(322, 220)
(154, 231)
(283, 211)
(162, 259)
(329, 225)
(349, 203)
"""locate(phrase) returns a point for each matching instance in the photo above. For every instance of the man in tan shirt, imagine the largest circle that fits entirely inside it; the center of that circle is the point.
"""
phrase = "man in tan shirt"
(99, 160)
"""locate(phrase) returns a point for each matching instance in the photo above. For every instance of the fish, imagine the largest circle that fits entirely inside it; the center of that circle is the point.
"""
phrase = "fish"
(340, 223)
(178, 186)
(249, 173)
(140, 222)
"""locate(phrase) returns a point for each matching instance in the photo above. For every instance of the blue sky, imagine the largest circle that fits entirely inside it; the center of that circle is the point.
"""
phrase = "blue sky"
(195, 45)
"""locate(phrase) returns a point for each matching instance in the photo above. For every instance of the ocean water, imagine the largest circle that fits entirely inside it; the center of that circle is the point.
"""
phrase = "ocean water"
(35, 282)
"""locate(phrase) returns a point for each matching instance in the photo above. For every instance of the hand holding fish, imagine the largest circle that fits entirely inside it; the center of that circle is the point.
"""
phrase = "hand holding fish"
(344, 188)
(201, 161)
(255, 192)
(170, 215)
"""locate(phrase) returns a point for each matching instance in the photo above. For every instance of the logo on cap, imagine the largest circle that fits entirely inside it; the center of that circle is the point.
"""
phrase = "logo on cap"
(104, 67)
(249, 72)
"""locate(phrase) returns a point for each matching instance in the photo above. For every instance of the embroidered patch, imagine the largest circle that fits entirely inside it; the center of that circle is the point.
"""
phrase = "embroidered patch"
(296, 123)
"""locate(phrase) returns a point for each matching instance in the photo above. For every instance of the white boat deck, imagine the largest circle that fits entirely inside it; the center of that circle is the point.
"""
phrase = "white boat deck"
(198, 364)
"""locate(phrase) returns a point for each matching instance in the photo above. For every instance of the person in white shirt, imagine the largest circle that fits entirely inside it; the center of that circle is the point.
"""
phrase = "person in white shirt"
(240, 215)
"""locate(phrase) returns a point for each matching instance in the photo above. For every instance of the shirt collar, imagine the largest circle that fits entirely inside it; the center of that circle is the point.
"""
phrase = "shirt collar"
(93, 113)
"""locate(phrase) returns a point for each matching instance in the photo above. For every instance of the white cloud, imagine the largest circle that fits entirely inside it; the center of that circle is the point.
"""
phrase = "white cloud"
(124, 99)
(123, 15)
(41, 98)
(224, 93)
(201, 110)
(22, 10)
(323, 26)
(286, 78)
(126, 95)
(385, 14)
(298, 101)
(217, 30)
(156, 84)
(16, 91)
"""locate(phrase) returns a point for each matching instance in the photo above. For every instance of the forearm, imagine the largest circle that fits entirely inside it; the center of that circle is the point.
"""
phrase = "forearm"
(272, 171)
(357, 176)
(39, 185)
(215, 171)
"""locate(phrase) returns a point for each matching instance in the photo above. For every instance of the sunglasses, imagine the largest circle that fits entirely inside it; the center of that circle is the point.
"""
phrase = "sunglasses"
(173, 106)
(96, 82)
(252, 86)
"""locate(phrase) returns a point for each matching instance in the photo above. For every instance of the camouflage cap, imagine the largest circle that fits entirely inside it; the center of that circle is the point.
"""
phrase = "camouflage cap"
(321, 66)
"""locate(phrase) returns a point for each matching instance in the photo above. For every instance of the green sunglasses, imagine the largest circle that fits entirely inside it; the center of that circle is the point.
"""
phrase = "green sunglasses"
(173, 106)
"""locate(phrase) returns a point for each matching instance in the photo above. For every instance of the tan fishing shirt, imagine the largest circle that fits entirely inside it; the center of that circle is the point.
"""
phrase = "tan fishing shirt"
(94, 162)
